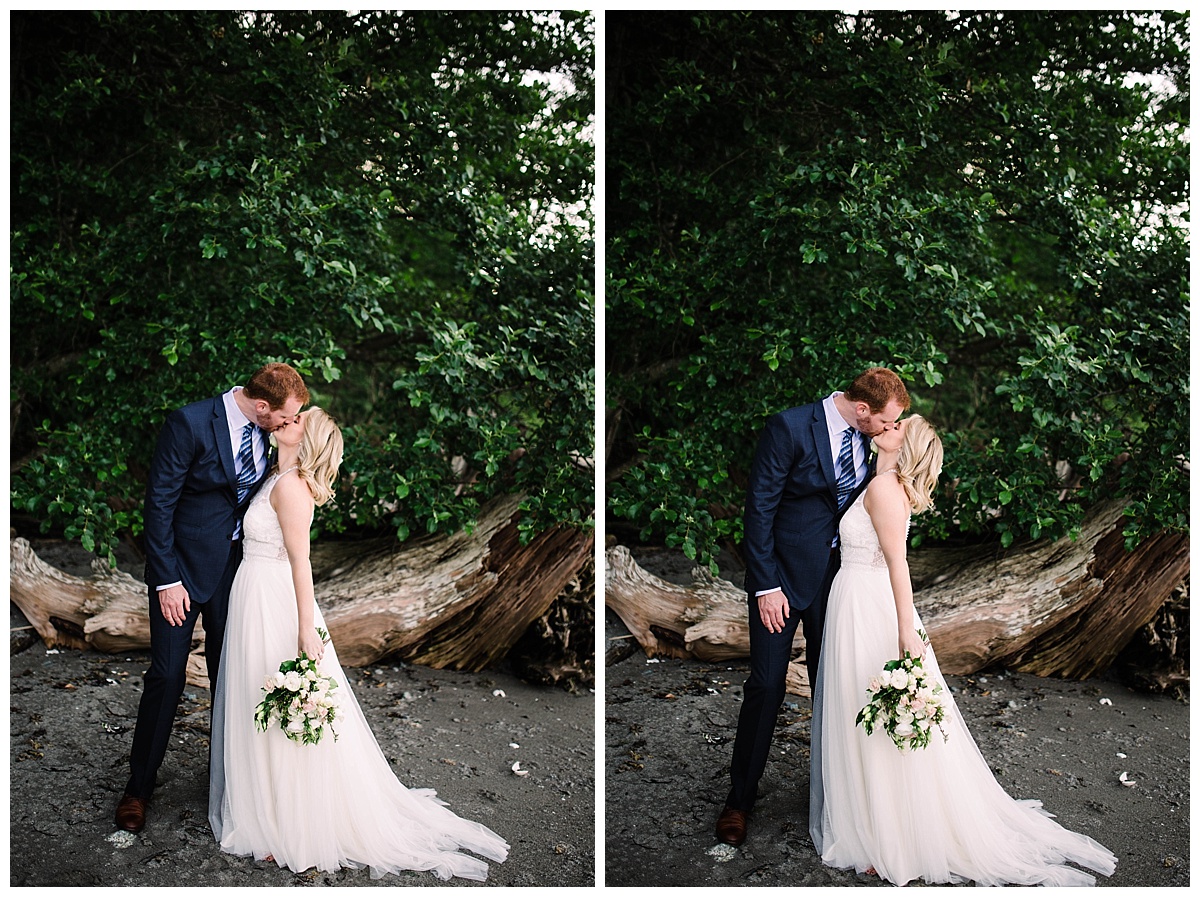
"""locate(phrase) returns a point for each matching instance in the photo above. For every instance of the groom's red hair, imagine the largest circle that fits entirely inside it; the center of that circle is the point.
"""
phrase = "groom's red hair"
(275, 383)
(877, 387)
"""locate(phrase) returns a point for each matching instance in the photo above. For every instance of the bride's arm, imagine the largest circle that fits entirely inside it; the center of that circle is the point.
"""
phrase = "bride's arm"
(889, 509)
(293, 504)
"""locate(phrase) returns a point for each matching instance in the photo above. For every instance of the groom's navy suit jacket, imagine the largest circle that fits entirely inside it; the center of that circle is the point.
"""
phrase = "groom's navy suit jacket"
(791, 506)
(191, 507)
(191, 514)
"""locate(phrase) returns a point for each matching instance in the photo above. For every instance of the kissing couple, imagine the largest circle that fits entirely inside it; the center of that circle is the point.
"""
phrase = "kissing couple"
(227, 523)
(826, 530)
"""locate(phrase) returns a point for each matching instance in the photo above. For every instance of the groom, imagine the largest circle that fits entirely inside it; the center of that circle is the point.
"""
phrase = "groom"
(211, 456)
(810, 464)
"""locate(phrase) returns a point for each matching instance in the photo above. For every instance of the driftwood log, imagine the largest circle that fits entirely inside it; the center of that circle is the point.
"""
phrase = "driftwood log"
(459, 601)
(1065, 608)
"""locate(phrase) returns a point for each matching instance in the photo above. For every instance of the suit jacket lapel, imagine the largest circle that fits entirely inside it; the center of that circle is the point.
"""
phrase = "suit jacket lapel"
(871, 458)
(820, 433)
(868, 454)
(220, 426)
(270, 455)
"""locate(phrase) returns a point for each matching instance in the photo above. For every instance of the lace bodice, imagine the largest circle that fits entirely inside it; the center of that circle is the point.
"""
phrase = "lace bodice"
(262, 535)
(860, 543)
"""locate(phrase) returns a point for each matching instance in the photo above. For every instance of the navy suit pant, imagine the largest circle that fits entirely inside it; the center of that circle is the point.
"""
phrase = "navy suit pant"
(165, 680)
(762, 694)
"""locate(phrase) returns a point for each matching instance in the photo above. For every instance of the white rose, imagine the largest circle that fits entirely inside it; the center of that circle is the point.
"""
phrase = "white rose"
(899, 679)
(296, 726)
(292, 681)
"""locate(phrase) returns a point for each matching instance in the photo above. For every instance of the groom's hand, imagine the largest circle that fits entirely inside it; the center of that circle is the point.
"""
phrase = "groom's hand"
(175, 603)
(773, 610)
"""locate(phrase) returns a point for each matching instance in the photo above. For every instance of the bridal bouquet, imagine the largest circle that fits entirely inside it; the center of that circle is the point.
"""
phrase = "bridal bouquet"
(904, 703)
(302, 701)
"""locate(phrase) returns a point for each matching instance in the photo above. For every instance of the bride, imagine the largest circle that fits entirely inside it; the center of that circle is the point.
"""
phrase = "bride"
(935, 813)
(335, 803)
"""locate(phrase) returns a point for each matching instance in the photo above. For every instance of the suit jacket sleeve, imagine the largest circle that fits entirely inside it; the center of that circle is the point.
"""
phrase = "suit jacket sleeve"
(768, 476)
(168, 473)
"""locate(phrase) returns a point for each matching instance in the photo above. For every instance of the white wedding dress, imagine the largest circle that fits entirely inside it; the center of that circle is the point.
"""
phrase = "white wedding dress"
(326, 805)
(936, 814)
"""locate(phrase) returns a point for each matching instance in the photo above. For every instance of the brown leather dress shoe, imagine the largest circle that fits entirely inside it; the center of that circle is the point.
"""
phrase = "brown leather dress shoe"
(731, 826)
(131, 814)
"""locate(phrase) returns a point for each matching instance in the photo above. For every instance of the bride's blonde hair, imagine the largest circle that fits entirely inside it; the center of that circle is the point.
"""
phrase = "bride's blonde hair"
(320, 453)
(920, 462)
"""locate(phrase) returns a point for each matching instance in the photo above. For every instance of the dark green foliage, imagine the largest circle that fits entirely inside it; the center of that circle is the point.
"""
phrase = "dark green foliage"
(397, 204)
(992, 204)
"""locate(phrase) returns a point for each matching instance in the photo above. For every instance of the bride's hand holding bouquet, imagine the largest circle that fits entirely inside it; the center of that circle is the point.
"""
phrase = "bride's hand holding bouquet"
(311, 643)
(904, 702)
(298, 699)
(912, 642)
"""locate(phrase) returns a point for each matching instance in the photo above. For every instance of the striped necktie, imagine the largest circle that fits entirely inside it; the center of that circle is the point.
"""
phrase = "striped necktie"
(247, 471)
(845, 466)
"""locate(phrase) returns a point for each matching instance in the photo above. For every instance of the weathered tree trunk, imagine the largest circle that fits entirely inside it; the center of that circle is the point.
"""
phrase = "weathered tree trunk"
(706, 620)
(459, 601)
(1065, 608)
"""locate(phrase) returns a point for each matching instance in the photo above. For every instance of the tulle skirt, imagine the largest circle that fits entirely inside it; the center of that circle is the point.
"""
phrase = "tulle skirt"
(329, 805)
(936, 814)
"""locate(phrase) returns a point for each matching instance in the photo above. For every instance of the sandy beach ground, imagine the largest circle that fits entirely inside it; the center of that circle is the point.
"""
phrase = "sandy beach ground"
(669, 727)
(71, 720)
